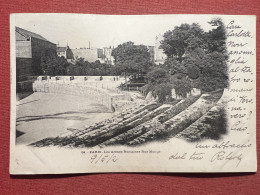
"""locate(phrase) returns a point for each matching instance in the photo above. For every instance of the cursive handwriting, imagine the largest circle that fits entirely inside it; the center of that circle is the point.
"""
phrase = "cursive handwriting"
(178, 156)
(224, 156)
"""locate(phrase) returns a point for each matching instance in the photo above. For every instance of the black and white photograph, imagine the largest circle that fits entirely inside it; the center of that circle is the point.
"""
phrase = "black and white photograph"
(140, 93)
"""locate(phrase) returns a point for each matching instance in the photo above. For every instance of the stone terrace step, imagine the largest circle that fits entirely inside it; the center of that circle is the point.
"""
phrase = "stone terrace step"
(153, 123)
(77, 137)
(179, 122)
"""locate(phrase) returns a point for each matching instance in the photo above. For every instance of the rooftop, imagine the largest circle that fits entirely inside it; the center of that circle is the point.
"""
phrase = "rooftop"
(27, 33)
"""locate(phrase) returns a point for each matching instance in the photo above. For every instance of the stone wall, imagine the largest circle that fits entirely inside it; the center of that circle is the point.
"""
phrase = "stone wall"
(67, 85)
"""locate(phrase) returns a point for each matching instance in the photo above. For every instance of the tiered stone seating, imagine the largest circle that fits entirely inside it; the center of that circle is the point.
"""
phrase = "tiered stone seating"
(210, 126)
(179, 122)
(77, 136)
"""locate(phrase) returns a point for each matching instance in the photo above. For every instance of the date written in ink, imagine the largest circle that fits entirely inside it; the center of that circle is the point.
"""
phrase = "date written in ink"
(101, 158)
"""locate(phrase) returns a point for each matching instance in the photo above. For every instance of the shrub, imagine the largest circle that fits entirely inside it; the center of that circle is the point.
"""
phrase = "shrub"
(163, 91)
(182, 87)
(193, 72)
(157, 75)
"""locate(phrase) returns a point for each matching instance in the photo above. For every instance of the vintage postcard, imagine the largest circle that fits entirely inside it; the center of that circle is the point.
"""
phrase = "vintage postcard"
(139, 93)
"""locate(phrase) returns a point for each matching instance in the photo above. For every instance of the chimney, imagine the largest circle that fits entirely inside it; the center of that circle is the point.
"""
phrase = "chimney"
(89, 44)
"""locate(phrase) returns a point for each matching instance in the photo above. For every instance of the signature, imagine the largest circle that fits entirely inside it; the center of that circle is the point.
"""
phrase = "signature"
(222, 155)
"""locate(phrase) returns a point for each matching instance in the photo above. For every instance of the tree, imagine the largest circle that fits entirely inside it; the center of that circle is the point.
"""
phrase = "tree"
(216, 38)
(182, 87)
(51, 64)
(196, 56)
(174, 67)
(157, 75)
(163, 91)
(181, 40)
(131, 59)
(159, 84)
(214, 73)
(85, 68)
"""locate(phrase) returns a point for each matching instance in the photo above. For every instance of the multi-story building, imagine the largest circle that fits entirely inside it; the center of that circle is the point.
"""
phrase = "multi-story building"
(29, 49)
(159, 55)
(88, 54)
(108, 58)
(93, 54)
(65, 52)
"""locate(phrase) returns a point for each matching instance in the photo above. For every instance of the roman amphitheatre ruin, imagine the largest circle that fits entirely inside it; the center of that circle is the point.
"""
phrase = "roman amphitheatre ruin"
(118, 117)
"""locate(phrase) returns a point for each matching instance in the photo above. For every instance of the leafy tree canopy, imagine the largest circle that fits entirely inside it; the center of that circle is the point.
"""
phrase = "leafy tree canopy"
(182, 39)
(157, 75)
(195, 58)
(51, 64)
(130, 58)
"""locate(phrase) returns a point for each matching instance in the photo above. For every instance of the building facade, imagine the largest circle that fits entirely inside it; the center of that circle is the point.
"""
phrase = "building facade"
(107, 57)
(159, 55)
(88, 54)
(62, 51)
(93, 54)
(151, 51)
(29, 49)
(65, 52)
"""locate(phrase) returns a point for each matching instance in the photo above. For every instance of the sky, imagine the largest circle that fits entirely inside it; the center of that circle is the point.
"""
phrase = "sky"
(104, 30)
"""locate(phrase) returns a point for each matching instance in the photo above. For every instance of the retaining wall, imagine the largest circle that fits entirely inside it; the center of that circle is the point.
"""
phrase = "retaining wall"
(101, 95)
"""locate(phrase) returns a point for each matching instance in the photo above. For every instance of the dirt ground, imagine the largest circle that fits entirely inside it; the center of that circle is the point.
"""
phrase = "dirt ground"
(22, 95)
(42, 115)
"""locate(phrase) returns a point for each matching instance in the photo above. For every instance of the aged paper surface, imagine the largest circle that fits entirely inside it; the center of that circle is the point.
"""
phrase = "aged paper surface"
(143, 93)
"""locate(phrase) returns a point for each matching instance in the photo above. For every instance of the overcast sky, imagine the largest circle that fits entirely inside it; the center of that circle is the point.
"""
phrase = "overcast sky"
(104, 30)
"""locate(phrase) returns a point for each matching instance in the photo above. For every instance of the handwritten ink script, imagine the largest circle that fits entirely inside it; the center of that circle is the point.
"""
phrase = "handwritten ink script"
(241, 62)
(103, 158)
(241, 53)
(226, 151)
(219, 156)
